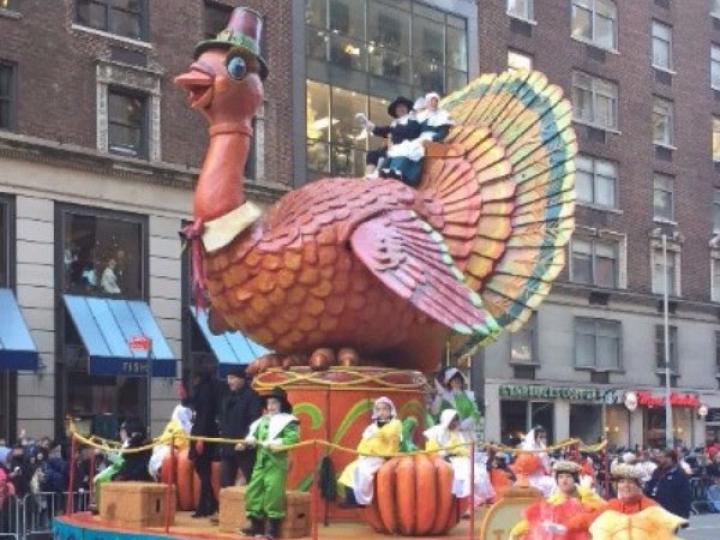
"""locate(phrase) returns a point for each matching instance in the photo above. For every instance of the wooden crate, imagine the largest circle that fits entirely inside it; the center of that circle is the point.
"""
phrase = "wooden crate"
(136, 504)
(296, 523)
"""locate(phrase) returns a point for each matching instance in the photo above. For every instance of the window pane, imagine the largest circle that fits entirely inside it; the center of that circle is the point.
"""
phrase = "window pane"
(126, 123)
(380, 117)
(605, 191)
(520, 8)
(318, 126)
(661, 45)
(584, 186)
(663, 197)
(715, 7)
(428, 42)
(456, 49)
(93, 14)
(716, 139)
(582, 104)
(102, 256)
(605, 32)
(715, 67)
(519, 61)
(585, 350)
(716, 210)
(217, 16)
(581, 24)
(4, 243)
(347, 18)
(345, 131)
(125, 23)
(605, 113)
(347, 53)
(315, 13)
(581, 261)
(606, 270)
(521, 349)
(607, 353)
(388, 43)
(662, 121)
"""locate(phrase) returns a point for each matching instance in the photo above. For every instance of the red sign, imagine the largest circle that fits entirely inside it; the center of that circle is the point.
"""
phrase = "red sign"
(139, 343)
(646, 399)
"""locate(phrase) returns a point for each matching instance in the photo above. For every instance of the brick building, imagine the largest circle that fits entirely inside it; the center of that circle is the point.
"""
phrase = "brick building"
(98, 155)
(643, 77)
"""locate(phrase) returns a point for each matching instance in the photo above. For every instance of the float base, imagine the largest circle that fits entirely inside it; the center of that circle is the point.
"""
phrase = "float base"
(85, 525)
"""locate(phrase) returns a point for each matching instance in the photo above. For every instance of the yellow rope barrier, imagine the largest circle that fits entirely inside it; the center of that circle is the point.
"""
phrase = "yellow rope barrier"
(294, 378)
(113, 446)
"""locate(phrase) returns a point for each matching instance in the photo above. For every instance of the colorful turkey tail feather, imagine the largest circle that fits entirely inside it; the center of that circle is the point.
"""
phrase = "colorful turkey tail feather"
(508, 220)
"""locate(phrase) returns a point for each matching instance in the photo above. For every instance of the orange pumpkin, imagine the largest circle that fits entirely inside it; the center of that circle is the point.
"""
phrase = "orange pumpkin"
(186, 480)
(413, 497)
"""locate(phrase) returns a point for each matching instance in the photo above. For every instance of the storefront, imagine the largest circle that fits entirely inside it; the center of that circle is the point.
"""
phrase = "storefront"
(712, 425)
(684, 408)
(577, 412)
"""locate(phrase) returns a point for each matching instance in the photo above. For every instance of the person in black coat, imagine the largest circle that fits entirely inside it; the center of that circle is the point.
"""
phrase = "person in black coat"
(240, 407)
(669, 485)
(205, 404)
(135, 465)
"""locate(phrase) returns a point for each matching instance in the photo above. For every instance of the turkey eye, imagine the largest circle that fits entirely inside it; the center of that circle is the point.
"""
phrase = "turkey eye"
(236, 67)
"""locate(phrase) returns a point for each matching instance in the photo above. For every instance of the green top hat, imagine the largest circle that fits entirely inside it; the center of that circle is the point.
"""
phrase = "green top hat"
(243, 31)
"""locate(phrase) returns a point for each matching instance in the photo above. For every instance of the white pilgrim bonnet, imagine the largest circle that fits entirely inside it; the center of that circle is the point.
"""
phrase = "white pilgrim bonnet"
(420, 104)
(452, 372)
(387, 401)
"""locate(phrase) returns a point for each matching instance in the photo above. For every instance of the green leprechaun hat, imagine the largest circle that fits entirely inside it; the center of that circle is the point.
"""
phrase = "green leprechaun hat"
(243, 32)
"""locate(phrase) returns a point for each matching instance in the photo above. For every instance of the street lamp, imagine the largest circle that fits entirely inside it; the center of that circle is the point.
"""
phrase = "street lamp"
(669, 439)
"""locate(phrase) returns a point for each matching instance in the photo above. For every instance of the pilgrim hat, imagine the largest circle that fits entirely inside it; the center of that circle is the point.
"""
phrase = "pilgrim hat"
(243, 32)
(400, 100)
(279, 394)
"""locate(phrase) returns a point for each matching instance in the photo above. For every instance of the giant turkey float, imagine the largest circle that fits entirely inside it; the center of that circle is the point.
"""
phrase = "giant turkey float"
(361, 287)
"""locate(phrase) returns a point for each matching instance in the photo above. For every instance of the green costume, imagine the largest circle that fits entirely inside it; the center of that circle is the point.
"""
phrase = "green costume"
(106, 475)
(265, 494)
(463, 402)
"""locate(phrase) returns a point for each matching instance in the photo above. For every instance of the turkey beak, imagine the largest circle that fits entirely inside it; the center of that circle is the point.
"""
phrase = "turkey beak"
(198, 82)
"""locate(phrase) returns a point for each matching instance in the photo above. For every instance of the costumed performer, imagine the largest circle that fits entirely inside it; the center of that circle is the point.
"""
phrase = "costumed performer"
(176, 430)
(453, 394)
(559, 517)
(632, 514)
(452, 444)
(265, 494)
(380, 438)
(535, 462)
(403, 127)
(435, 122)
(126, 467)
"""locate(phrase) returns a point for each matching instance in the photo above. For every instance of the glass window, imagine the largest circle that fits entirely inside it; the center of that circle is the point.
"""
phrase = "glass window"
(586, 422)
(388, 43)
(127, 123)
(594, 100)
(658, 274)
(103, 255)
(594, 262)
(123, 17)
(596, 181)
(514, 421)
(522, 343)
(519, 61)
(716, 210)
(595, 21)
(715, 8)
(7, 95)
(318, 126)
(660, 347)
(662, 122)
(661, 45)
(715, 292)
(5, 243)
(7, 4)
(663, 199)
(521, 8)
(360, 51)
(216, 18)
(716, 138)
(715, 67)
(597, 344)
(717, 353)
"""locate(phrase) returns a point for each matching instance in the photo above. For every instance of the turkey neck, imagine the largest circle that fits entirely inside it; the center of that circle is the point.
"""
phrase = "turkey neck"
(220, 188)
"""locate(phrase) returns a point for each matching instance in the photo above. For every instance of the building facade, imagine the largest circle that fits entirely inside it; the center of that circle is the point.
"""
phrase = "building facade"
(643, 79)
(98, 155)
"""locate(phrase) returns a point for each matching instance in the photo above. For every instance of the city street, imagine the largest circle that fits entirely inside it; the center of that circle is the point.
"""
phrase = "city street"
(705, 527)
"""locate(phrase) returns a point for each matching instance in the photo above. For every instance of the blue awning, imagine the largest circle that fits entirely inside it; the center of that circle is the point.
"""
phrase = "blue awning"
(105, 325)
(17, 350)
(230, 348)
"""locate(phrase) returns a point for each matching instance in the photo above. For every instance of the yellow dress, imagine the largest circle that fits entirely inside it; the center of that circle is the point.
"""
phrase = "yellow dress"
(376, 441)
(653, 523)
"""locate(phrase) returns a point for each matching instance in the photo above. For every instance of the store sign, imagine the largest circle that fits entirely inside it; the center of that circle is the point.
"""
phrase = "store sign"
(646, 399)
(518, 391)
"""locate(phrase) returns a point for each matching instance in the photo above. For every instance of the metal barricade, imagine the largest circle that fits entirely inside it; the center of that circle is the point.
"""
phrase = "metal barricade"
(11, 519)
